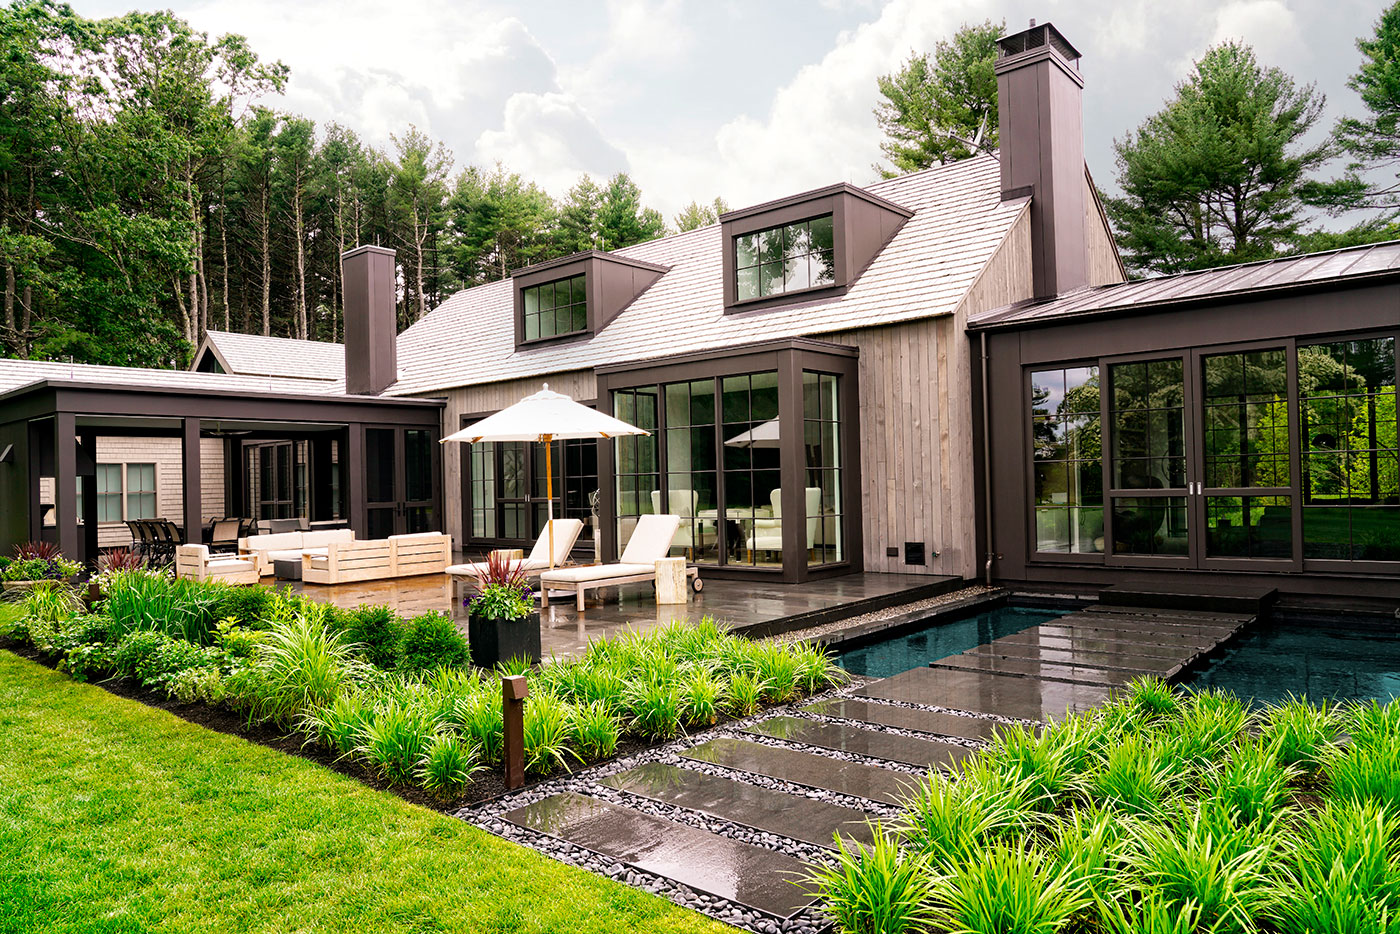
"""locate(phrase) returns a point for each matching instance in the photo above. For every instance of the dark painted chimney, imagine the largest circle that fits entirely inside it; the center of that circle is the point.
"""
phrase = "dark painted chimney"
(1042, 151)
(371, 322)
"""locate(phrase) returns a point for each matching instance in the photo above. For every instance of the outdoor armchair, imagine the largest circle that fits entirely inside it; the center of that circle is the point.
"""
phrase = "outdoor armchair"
(196, 563)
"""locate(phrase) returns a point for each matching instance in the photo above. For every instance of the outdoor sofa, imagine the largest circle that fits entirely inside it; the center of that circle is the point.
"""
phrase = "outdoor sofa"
(196, 563)
(650, 542)
(290, 546)
(378, 559)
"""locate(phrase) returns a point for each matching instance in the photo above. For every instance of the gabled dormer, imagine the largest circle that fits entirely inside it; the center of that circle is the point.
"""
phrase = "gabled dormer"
(805, 247)
(575, 297)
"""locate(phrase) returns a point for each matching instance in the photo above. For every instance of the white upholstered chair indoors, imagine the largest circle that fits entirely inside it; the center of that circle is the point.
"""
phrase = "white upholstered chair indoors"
(650, 542)
(768, 533)
(683, 503)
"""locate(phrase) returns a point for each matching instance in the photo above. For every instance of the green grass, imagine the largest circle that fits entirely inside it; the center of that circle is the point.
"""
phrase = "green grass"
(115, 817)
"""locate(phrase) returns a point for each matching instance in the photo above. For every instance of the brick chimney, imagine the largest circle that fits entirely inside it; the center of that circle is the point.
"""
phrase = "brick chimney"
(371, 321)
(1042, 151)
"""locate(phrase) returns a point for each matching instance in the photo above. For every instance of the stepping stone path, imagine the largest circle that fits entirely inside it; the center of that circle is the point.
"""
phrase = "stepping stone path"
(736, 819)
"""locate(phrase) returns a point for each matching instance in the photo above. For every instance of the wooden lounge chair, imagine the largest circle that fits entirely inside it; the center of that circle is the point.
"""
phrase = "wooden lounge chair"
(195, 562)
(566, 533)
(650, 542)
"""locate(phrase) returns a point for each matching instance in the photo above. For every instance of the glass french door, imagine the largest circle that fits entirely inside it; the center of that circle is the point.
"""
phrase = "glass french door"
(1203, 466)
(400, 481)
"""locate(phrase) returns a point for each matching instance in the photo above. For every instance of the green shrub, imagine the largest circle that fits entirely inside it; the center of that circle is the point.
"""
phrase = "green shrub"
(339, 725)
(778, 667)
(1373, 721)
(479, 718)
(654, 705)
(1153, 913)
(745, 694)
(301, 666)
(377, 631)
(154, 658)
(134, 649)
(1341, 872)
(1007, 890)
(702, 698)
(56, 568)
(448, 765)
(237, 641)
(949, 823)
(432, 641)
(1368, 771)
(593, 730)
(155, 601)
(1134, 777)
(395, 738)
(1152, 697)
(189, 685)
(247, 606)
(1300, 731)
(1044, 760)
(875, 889)
(1251, 784)
(546, 734)
(88, 660)
(515, 665)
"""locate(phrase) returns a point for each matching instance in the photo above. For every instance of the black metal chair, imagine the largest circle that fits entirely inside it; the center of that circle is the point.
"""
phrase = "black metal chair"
(223, 538)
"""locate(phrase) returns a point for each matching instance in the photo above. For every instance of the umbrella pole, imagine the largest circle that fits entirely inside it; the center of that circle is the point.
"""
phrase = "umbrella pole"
(549, 491)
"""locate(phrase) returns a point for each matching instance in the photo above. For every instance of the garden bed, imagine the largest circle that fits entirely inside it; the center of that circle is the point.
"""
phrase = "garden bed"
(392, 702)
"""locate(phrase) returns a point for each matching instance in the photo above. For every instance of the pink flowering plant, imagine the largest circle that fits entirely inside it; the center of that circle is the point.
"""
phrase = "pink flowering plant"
(503, 591)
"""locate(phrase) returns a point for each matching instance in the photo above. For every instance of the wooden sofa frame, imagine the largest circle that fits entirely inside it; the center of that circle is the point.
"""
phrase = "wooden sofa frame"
(378, 559)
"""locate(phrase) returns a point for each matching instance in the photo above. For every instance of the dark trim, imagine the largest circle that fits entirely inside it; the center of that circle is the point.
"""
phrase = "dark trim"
(840, 188)
(191, 480)
(611, 284)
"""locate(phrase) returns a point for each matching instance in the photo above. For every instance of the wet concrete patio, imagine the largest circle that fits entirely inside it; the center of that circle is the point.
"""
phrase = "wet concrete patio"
(748, 606)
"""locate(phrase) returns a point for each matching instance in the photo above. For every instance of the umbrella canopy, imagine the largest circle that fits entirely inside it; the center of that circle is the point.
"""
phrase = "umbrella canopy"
(759, 436)
(545, 416)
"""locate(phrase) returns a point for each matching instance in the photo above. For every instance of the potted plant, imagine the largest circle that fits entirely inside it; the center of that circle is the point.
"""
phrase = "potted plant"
(37, 561)
(502, 622)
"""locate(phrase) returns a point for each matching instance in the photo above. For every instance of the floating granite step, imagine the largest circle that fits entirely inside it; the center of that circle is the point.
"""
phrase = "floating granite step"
(1195, 617)
(1085, 629)
(1031, 668)
(922, 752)
(979, 692)
(795, 816)
(750, 875)
(806, 768)
(1131, 662)
(906, 718)
(1211, 597)
(1148, 625)
(1091, 641)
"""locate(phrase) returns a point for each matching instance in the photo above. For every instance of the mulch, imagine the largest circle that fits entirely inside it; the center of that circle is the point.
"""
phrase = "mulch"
(224, 720)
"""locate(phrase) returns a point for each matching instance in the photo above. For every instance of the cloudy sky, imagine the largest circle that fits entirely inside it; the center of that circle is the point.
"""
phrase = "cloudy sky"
(747, 99)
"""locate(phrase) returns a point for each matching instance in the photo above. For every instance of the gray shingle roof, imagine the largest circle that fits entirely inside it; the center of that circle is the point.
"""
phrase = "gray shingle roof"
(255, 355)
(928, 267)
(1352, 264)
(17, 373)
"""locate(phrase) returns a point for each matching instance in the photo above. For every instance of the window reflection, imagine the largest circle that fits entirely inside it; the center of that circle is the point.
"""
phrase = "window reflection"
(1066, 451)
(784, 259)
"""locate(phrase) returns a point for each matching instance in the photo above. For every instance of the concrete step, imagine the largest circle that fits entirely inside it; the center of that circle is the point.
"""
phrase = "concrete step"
(806, 768)
(922, 752)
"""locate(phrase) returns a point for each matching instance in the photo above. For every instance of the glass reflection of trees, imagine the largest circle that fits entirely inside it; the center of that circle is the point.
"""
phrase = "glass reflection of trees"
(1068, 460)
(784, 259)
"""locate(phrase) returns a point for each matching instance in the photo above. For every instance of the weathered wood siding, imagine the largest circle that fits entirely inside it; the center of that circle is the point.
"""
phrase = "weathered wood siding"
(475, 401)
(1104, 266)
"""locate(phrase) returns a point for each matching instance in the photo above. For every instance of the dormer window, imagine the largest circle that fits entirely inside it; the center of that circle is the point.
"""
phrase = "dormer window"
(555, 309)
(574, 297)
(784, 259)
(805, 248)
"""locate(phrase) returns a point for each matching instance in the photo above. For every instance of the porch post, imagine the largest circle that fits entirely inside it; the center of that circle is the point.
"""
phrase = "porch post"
(37, 444)
(352, 474)
(792, 466)
(65, 484)
(87, 476)
(191, 479)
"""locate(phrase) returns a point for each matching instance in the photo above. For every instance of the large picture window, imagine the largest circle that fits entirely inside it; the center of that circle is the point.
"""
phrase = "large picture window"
(1068, 460)
(784, 259)
(1351, 458)
(821, 420)
(555, 309)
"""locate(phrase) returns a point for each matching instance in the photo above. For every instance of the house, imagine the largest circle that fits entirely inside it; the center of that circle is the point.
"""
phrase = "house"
(942, 373)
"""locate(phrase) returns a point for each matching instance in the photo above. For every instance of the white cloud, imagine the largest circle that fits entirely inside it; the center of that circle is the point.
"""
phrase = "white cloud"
(550, 139)
(1268, 25)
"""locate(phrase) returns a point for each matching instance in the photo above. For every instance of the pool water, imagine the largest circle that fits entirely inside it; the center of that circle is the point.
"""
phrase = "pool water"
(915, 650)
(1319, 659)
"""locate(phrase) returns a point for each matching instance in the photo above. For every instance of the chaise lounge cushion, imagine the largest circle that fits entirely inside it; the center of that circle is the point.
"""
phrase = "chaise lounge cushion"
(595, 572)
(566, 533)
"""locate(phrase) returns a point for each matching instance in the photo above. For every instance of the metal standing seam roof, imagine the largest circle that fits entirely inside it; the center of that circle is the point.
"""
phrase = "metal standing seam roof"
(15, 374)
(1351, 264)
(255, 355)
(925, 270)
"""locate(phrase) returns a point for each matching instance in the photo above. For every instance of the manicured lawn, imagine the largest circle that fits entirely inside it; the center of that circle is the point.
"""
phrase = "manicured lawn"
(118, 817)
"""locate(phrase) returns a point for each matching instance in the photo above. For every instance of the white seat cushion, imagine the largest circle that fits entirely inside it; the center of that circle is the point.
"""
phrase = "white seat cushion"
(651, 539)
(594, 572)
(228, 564)
(324, 537)
(292, 554)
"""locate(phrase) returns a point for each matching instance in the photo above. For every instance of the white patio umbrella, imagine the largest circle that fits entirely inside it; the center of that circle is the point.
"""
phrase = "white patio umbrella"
(545, 417)
(759, 436)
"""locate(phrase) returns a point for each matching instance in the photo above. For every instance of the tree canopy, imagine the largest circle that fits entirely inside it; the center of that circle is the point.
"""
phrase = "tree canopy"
(146, 197)
(941, 106)
(1215, 177)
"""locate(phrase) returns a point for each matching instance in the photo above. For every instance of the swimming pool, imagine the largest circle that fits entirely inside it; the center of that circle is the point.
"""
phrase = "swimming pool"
(916, 649)
(1321, 659)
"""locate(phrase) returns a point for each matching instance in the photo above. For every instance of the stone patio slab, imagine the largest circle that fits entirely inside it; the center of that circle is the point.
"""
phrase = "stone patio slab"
(1092, 642)
(1133, 622)
(980, 692)
(891, 746)
(704, 861)
(806, 768)
(806, 819)
(1032, 668)
(1132, 663)
(1088, 631)
(906, 718)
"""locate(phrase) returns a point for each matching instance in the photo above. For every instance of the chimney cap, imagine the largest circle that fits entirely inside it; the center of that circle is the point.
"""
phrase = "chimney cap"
(1035, 37)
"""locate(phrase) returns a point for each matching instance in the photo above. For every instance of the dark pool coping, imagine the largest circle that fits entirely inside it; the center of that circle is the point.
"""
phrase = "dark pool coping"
(880, 629)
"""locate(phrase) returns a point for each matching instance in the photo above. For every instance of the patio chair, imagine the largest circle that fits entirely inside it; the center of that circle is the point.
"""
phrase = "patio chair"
(768, 533)
(650, 542)
(140, 537)
(566, 533)
(223, 537)
(162, 540)
(196, 563)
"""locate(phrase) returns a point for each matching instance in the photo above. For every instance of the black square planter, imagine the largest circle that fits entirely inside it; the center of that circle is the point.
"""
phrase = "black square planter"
(493, 641)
